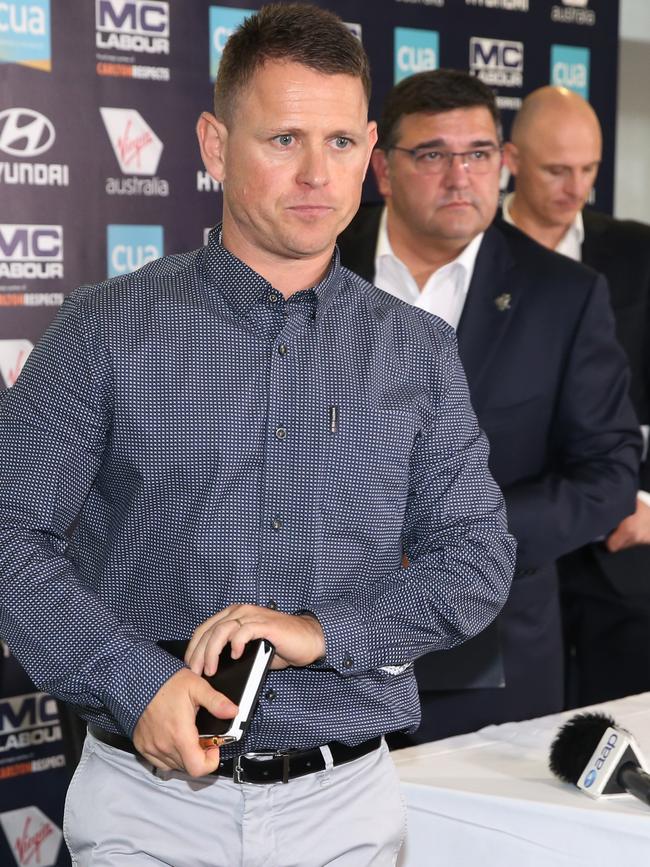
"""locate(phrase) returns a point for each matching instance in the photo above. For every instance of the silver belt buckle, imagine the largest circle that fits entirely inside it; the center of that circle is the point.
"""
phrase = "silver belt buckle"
(237, 769)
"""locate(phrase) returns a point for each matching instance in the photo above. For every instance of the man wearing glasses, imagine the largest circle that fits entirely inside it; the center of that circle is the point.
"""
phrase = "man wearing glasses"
(547, 379)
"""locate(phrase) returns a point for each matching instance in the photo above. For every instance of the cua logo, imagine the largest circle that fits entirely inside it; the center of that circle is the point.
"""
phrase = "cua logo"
(131, 247)
(223, 20)
(25, 33)
(570, 68)
(415, 51)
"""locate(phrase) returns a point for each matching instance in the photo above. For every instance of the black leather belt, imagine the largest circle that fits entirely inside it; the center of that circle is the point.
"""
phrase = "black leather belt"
(264, 767)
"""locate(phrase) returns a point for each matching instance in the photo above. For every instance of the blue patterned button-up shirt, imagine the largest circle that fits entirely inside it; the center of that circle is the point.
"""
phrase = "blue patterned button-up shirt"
(184, 438)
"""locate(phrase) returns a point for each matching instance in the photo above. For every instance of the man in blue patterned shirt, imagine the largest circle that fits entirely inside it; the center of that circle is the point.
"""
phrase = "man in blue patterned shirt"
(248, 439)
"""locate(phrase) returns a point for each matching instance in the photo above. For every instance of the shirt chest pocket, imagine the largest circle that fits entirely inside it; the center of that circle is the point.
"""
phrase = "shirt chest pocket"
(364, 475)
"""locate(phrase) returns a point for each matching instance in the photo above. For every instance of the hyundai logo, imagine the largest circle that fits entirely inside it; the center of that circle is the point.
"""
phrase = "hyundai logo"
(25, 133)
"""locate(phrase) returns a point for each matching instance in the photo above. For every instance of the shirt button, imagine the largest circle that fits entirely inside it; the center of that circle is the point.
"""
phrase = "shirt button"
(274, 297)
(272, 604)
(270, 694)
(277, 523)
(281, 433)
(347, 662)
(283, 349)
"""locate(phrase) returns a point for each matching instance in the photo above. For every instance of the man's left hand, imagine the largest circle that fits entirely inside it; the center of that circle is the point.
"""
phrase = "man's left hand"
(633, 530)
(298, 638)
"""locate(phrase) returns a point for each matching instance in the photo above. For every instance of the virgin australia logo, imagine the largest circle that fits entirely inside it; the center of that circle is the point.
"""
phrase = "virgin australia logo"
(33, 838)
(576, 13)
(13, 355)
(136, 146)
(137, 149)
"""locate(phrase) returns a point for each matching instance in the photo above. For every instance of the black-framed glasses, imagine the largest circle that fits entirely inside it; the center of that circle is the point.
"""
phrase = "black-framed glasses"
(429, 161)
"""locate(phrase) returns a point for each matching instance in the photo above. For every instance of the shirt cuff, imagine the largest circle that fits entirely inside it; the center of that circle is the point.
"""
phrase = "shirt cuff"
(644, 496)
(137, 681)
(346, 645)
(645, 433)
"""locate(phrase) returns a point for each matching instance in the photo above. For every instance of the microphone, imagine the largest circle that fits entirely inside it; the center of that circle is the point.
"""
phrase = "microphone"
(599, 757)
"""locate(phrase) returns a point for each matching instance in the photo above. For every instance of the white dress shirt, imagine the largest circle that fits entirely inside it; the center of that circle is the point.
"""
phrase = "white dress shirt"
(571, 245)
(445, 291)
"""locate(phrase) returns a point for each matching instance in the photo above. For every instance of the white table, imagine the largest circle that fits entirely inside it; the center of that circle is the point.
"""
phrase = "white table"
(489, 800)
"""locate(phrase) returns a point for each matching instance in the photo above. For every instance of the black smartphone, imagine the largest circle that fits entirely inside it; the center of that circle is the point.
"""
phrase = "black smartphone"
(240, 680)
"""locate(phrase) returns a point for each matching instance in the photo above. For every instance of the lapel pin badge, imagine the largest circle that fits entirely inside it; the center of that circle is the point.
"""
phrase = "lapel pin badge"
(502, 302)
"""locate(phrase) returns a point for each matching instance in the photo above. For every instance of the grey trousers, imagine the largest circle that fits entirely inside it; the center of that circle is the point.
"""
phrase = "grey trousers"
(119, 811)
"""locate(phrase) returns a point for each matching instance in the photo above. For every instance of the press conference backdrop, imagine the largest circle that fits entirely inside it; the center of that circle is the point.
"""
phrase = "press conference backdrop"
(100, 173)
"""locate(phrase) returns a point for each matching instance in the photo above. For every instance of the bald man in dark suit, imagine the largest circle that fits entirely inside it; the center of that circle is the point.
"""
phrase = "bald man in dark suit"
(554, 156)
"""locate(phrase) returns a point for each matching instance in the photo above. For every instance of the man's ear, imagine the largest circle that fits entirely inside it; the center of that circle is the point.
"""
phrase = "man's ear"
(381, 169)
(213, 143)
(372, 141)
(511, 157)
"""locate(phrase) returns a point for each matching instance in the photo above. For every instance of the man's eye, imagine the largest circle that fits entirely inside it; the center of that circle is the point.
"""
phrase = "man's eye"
(479, 156)
(284, 140)
(341, 142)
(430, 156)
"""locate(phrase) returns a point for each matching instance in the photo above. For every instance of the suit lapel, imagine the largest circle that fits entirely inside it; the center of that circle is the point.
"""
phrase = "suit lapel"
(590, 252)
(596, 247)
(359, 242)
(489, 308)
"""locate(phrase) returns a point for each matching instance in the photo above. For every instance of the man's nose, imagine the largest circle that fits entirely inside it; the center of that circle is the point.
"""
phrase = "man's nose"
(313, 169)
(455, 171)
(574, 185)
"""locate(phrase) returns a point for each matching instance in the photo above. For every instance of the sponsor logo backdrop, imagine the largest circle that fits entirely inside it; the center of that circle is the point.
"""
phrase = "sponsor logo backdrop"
(99, 173)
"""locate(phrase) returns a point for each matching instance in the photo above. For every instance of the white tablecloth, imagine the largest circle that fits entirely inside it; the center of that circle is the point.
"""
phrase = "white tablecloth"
(489, 800)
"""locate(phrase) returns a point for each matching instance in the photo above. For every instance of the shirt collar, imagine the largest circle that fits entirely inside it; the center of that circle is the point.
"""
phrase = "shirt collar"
(383, 244)
(465, 261)
(573, 238)
(243, 288)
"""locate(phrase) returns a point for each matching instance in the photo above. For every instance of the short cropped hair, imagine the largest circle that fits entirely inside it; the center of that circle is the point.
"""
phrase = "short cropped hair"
(433, 92)
(291, 32)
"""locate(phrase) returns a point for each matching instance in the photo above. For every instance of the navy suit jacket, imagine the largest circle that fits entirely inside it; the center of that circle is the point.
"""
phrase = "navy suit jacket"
(620, 250)
(549, 384)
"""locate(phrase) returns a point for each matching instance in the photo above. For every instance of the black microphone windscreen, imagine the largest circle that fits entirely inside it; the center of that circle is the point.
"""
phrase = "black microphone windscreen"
(575, 744)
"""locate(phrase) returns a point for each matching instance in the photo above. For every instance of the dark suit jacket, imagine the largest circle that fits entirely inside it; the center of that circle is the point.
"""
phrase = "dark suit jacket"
(620, 249)
(549, 386)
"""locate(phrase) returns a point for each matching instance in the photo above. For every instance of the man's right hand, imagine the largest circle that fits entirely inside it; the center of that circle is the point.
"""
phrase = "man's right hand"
(633, 530)
(166, 733)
